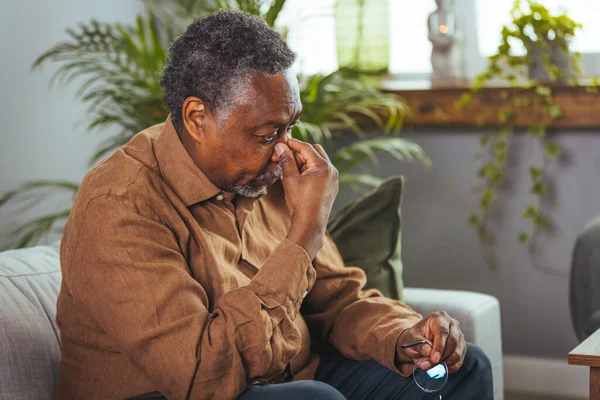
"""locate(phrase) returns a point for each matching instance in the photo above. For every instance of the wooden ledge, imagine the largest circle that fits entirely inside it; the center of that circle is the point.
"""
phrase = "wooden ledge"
(436, 107)
(588, 352)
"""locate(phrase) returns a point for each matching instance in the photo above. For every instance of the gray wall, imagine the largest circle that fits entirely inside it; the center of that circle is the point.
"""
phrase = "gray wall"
(41, 140)
(43, 131)
(440, 249)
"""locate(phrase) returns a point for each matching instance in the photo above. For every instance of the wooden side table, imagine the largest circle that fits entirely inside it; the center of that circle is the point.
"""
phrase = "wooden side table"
(588, 354)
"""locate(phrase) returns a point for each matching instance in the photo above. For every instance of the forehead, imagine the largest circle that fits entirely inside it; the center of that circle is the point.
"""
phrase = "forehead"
(271, 97)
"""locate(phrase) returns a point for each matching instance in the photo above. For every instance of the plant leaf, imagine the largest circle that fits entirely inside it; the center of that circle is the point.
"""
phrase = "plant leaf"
(273, 12)
(536, 173)
(474, 220)
(354, 180)
(530, 212)
(350, 156)
(523, 237)
(551, 149)
(30, 188)
(33, 231)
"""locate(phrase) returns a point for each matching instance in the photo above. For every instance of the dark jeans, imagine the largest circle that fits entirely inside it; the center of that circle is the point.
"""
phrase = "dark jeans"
(338, 378)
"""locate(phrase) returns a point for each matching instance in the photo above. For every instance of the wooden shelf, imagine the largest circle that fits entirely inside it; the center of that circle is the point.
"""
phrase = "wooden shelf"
(435, 107)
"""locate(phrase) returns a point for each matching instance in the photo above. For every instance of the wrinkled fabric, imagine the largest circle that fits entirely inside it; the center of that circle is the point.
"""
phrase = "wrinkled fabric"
(170, 288)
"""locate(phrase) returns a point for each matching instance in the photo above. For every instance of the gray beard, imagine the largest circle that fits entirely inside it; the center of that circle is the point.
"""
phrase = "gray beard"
(247, 190)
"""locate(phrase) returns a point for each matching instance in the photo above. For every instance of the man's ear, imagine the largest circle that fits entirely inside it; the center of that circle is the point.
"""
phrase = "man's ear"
(197, 118)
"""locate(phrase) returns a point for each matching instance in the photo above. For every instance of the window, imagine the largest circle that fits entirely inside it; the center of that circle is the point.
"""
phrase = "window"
(311, 35)
(492, 15)
(410, 50)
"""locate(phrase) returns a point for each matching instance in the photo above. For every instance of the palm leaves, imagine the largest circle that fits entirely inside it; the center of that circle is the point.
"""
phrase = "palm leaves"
(117, 67)
(335, 102)
(29, 195)
(176, 15)
(334, 105)
(353, 155)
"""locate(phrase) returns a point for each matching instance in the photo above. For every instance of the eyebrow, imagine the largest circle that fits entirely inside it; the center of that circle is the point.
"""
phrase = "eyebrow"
(276, 124)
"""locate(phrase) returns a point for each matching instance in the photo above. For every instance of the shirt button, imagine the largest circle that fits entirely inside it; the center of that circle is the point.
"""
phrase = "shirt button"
(220, 197)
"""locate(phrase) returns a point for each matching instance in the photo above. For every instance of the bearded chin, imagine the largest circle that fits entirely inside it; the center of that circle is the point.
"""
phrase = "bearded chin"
(253, 189)
(248, 190)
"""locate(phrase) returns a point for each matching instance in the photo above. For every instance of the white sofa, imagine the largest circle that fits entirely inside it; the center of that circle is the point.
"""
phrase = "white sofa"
(30, 342)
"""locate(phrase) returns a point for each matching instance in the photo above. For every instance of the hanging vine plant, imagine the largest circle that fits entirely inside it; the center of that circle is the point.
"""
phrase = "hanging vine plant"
(531, 78)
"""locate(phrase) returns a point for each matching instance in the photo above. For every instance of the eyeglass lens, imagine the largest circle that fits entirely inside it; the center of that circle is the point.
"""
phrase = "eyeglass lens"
(433, 379)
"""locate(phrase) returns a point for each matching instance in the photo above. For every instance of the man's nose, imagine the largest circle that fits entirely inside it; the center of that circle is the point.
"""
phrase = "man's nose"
(284, 137)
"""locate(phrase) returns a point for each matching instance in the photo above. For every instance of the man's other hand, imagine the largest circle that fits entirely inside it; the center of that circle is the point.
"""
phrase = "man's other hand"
(445, 342)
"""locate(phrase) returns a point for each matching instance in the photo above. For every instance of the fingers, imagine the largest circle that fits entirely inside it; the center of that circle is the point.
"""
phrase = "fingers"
(308, 152)
(287, 160)
(406, 369)
(411, 343)
(439, 326)
(452, 339)
(448, 344)
(300, 162)
(456, 358)
(456, 366)
(321, 151)
(448, 340)
(413, 348)
(422, 350)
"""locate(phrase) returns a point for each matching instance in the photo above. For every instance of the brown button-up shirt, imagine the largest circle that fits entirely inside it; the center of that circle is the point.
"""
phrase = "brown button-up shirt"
(171, 288)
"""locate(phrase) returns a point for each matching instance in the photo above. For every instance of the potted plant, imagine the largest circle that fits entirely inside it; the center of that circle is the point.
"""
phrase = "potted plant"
(546, 38)
(529, 81)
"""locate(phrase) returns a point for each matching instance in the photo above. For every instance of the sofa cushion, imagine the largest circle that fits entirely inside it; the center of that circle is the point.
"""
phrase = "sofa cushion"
(367, 234)
(29, 338)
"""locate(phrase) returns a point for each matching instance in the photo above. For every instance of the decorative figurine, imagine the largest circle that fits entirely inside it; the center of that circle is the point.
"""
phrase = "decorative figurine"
(446, 54)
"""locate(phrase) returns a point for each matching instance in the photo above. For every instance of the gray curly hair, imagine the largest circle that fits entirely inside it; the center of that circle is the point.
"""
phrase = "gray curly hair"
(215, 56)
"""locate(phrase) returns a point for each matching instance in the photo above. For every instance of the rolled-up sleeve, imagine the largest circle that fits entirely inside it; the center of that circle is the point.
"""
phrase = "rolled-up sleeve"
(128, 272)
(361, 324)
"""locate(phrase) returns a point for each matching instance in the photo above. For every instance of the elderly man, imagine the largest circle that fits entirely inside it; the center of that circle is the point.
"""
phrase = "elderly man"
(196, 262)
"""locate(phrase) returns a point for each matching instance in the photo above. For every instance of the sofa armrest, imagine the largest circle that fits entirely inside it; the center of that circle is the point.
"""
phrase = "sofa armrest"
(478, 315)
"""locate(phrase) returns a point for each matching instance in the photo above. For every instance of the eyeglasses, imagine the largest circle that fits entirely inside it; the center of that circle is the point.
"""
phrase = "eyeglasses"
(432, 380)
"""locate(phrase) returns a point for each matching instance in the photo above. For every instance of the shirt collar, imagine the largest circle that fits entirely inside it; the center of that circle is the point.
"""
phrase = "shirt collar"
(179, 170)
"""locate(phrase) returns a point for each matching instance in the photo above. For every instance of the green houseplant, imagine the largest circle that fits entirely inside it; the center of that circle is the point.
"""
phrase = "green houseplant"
(531, 79)
(118, 68)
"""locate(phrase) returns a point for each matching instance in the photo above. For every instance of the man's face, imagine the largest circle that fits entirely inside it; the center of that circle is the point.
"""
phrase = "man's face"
(237, 154)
